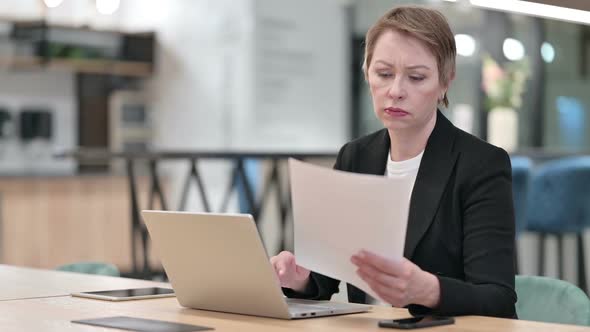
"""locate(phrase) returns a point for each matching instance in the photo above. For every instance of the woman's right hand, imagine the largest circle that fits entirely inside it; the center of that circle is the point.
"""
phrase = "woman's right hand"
(289, 273)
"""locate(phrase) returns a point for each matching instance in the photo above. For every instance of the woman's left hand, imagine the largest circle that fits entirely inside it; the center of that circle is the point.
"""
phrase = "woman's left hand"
(398, 282)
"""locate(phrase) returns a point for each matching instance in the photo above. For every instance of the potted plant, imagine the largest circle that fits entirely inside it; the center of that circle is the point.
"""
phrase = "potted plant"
(503, 87)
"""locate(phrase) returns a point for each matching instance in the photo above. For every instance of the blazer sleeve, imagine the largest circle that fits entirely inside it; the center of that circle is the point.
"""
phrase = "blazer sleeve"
(488, 246)
(321, 287)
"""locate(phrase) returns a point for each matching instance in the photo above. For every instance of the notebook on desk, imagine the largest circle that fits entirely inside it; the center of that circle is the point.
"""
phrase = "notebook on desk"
(218, 262)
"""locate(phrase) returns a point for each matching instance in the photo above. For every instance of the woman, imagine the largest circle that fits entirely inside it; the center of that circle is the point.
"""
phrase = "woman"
(459, 250)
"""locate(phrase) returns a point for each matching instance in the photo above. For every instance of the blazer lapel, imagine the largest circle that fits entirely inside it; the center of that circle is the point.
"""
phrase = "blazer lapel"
(435, 168)
(375, 157)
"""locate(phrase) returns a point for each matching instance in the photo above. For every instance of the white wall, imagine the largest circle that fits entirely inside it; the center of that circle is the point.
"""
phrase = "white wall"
(54, 91)
(300, 78)
(51, 91)
(217, 87)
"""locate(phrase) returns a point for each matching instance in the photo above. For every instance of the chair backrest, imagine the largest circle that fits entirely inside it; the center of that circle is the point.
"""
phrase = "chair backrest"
(98, 268)
(551, 300)
(521, 171)
(559, 199)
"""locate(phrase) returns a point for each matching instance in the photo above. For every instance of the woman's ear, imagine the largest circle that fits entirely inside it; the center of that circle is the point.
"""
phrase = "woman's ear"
(451, 79)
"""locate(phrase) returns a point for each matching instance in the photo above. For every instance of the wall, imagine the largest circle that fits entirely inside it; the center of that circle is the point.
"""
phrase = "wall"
(216, 84)
(54, 91)
(37, 89)
(300, 78)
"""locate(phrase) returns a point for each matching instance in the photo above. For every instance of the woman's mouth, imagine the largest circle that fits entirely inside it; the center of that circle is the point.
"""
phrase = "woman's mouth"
(394, 111)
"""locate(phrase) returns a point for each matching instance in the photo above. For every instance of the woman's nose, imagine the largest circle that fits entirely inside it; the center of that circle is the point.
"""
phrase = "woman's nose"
(396, 89)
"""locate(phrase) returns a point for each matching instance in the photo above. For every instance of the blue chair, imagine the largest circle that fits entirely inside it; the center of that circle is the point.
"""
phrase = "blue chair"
(521, 171)
(251, 170)
(559, 202)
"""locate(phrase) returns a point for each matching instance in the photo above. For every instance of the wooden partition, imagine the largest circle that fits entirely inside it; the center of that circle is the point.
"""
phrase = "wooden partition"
(49, 221)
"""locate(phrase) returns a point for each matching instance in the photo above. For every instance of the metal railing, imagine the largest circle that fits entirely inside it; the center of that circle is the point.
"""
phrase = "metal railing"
(156, 193)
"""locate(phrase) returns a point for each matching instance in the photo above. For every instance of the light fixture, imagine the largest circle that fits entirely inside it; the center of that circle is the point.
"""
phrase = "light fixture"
(465, 44)
(547, 52)
(107, 7)
(513, 49)
(52, 3)
(536, 9)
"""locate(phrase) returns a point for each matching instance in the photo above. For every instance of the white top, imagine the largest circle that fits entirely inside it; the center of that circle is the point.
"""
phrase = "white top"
(401, 170)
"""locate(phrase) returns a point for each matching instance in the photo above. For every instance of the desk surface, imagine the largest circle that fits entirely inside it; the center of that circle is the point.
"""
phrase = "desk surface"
(22, 283)
(55, 314)
(44, 306)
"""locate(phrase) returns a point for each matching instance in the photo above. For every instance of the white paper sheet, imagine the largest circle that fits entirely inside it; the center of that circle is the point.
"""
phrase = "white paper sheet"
(338, 213)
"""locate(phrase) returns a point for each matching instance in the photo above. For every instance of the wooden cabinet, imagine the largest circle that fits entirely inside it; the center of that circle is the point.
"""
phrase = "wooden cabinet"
(46, 222)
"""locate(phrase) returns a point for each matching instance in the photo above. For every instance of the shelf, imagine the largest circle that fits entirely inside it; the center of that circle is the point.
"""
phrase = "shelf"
(22, 62)
(107, 67)
(121, 68)
(43, 46)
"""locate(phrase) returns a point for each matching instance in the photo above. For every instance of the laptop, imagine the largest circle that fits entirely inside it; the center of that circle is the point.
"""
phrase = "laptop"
(218, 262)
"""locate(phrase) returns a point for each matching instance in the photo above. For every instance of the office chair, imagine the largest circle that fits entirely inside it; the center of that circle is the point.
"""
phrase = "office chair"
(521, 171)
(97, 268)
(551, 300)
(559, 203)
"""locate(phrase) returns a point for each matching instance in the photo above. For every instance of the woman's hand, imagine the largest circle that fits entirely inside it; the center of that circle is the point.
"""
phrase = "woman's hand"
(399, 283)
(289, 273)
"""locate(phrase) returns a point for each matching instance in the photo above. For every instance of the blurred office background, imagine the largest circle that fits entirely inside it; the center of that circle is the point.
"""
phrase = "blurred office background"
(111, 106)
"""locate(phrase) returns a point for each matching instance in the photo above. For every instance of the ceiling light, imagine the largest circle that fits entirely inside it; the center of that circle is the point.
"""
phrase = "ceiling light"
(465, 44)
(547, 52)
(107, 7)
(52, 3)
(513, 49)
(536, 9)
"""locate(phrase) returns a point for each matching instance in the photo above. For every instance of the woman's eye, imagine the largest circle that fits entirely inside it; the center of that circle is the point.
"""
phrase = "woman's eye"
(384, 74)
(417, 78)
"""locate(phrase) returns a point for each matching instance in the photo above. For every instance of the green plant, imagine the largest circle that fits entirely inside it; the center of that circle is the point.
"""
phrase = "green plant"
(504, 85)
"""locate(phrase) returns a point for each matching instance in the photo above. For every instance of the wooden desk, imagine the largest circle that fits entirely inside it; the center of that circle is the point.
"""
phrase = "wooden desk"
(55, 314)
(43, 305)
(23, 283)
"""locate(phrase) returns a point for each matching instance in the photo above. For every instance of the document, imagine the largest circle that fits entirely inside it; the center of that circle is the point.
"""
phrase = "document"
(337, 213)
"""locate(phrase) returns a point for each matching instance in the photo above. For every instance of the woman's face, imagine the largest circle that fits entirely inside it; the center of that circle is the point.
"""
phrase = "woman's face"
(404, 82)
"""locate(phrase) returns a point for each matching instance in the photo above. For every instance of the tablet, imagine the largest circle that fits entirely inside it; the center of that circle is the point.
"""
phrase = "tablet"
(128, 294)
(141, 325)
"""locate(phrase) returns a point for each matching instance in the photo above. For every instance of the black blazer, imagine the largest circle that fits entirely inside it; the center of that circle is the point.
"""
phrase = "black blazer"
(460, 225)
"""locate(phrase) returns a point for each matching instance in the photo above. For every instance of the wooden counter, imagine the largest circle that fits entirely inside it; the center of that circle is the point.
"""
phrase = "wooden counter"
(49, 221)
